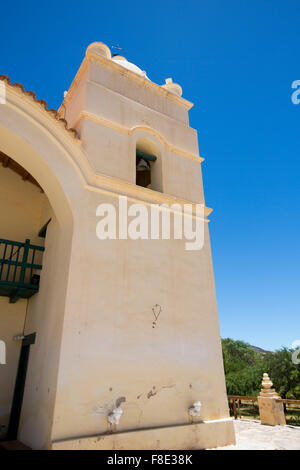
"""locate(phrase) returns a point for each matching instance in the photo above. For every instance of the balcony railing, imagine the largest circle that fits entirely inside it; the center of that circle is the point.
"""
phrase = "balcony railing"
(20, 264)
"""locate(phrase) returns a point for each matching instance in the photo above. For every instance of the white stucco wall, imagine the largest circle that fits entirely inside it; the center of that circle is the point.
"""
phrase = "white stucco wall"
(110, 352)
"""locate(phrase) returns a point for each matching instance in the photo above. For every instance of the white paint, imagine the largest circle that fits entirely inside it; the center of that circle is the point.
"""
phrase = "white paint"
(2, 353)
(195, 409)
(115, 416)
(129, 66)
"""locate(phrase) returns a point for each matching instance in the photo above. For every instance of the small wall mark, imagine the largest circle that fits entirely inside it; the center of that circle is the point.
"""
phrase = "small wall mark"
(156, 309)
(155, 392)
(119, 401)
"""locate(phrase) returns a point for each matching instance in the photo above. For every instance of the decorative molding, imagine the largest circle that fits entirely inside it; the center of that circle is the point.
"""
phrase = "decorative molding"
(130, 131)
(115, 187)
(93, 56)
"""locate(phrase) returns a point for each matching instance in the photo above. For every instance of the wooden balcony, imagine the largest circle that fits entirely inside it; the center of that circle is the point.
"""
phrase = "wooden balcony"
(20, 264)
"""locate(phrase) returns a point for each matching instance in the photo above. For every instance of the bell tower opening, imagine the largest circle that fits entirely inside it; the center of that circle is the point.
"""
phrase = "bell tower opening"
(148, 165)
(143, 169)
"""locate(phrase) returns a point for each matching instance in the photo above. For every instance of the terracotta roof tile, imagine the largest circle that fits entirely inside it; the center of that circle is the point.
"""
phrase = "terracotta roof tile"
(43, 103)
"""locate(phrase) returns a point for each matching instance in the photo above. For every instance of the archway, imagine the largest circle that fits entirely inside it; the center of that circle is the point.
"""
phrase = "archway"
(37, 142)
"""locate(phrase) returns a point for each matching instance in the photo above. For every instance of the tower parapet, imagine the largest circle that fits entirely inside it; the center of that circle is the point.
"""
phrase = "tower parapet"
(115, 109)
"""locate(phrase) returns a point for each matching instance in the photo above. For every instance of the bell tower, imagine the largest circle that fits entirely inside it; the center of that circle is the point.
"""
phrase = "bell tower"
(117, 110)
(150, 351)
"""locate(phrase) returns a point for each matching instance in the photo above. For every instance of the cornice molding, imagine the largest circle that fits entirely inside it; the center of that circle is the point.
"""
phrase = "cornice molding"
(138, 194)
(92, 56)
(130, 131)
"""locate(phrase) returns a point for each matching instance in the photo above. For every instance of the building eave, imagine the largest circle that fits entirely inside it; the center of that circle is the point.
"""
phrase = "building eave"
(52, 112)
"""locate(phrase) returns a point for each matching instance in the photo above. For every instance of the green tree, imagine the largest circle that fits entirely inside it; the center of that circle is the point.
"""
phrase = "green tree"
(243, 367)
(284, 374)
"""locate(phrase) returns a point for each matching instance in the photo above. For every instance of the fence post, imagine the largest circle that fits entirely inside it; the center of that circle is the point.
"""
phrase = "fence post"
(24, 261)
(239, 409)
(234, 408)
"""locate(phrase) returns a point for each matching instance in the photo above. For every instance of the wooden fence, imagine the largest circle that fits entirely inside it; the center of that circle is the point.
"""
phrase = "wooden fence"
(237, 400)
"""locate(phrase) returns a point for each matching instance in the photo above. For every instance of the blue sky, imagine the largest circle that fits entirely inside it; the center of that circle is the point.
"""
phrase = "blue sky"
(236, 61)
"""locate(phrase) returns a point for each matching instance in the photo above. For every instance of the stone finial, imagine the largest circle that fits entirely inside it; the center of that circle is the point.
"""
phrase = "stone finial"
(99, 48)
(172, 87)
(266, 382)
(267, 391)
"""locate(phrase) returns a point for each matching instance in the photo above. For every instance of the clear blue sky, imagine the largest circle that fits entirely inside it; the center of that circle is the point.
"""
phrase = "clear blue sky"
(236, 61)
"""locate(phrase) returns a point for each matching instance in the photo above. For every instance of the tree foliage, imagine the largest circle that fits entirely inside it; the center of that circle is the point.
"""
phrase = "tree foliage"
(244, 367)
(284, 374)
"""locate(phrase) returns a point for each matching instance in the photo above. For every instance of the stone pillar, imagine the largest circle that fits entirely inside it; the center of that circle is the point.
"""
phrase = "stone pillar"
(270, 409)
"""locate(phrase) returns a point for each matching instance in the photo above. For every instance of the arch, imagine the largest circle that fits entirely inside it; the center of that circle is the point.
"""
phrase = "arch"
(148, 145)
(34, 140)
(40, 144)
(150, 133)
